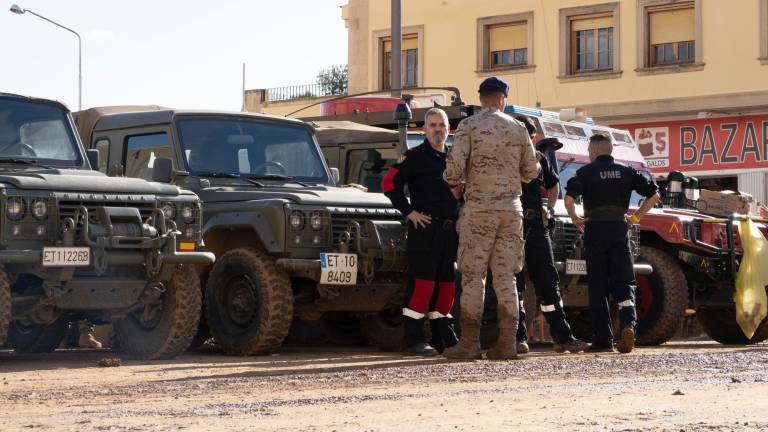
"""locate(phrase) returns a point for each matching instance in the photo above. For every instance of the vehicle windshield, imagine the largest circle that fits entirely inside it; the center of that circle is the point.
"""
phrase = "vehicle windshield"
(568, 170)
(37, 132)
(415, 139)
(251, 149)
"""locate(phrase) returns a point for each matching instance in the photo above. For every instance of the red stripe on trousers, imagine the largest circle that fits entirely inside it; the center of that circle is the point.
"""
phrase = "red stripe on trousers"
(422, 293)
(388, 183)
(446, 291)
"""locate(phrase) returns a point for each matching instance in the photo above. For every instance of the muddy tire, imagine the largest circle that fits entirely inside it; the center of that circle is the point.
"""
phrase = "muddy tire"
(201, 336)
(720, 324)
(661, 298)
(5, 306)
(37, 338)
(248, 303)
(164, 330)
(384, 330)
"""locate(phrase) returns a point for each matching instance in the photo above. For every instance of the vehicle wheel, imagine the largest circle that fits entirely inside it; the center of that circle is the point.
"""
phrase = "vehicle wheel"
(248, 303)
(27, 337)
(342, 328)
(164, 329)
(720, 324)
(384, 329)
(5, 306)
(201, 336)
(661, 298)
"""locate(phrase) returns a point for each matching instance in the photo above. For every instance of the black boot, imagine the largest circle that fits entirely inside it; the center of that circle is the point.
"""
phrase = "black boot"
(443, 335)
(414, 341)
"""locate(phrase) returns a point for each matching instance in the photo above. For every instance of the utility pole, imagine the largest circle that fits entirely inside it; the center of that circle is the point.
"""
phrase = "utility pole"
(242, 93)
(396, 55)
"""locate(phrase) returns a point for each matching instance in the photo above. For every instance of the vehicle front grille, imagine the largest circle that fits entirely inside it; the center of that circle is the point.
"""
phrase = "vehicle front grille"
(565, 240)
(340, 220)
(69, 208)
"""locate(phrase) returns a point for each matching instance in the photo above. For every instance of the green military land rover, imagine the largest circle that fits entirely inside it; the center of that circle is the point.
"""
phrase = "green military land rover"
(75, 243)
(289, 242)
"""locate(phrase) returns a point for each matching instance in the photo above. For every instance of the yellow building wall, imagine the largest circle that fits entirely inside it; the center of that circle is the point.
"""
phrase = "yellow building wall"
(730, 52)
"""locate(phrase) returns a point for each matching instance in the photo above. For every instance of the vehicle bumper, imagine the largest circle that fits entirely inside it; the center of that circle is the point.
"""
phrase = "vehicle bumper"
(119, 258)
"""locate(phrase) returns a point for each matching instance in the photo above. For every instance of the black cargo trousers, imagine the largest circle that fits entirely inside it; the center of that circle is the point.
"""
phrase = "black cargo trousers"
(431, 283)
(610, 271)
(540, 265)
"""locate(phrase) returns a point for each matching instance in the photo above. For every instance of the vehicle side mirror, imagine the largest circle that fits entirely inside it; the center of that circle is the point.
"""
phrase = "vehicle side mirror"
(93, 158)
(162, 171)
(335, 175)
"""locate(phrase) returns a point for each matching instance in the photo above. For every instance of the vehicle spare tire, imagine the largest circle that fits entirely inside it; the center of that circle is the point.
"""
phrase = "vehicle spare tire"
(720, 324)
(5, 306)
(661, 297)
(248, 303)
(164, 329)
(27, 337)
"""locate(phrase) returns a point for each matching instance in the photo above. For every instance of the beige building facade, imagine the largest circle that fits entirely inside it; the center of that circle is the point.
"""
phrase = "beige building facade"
(688, 78)
(621, 60)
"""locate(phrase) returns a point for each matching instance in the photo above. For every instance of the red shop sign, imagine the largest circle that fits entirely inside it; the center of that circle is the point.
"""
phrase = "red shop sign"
(704, 146)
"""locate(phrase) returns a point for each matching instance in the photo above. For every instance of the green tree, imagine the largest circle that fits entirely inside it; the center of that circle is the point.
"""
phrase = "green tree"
(333, 80)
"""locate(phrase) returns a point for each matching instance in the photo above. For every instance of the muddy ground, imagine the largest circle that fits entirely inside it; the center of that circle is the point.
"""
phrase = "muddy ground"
(679, 386)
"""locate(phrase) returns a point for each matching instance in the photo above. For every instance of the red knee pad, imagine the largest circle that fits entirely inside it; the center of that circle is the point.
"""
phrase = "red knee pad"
(422, 293)
(446, 292)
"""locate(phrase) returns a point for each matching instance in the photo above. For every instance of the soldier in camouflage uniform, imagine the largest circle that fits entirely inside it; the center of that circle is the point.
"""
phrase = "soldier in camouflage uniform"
(493, 154)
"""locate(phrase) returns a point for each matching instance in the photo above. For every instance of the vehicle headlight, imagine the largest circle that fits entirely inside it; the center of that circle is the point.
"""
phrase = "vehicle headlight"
(40, 209)
(15, 208)
(187, 212)
(168, 210)
(297, 220)
(316, 220)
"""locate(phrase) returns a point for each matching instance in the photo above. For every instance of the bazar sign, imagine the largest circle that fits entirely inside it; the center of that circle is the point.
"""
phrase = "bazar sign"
(721, 144)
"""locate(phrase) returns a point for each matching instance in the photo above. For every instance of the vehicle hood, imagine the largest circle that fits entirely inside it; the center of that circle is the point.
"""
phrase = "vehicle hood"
(322, 195)
(72, 180)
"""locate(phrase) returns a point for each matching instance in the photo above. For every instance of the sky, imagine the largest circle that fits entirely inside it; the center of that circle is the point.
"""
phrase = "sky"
(181, 54)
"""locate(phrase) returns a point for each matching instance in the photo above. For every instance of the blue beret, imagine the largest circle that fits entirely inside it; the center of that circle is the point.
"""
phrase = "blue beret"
(494, 83)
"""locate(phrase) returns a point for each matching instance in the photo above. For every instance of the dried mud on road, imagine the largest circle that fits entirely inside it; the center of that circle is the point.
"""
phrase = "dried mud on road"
(680, 386)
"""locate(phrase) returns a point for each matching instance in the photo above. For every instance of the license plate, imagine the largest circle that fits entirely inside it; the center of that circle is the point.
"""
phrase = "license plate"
(66, 256)
(338, 269)
(575, 267)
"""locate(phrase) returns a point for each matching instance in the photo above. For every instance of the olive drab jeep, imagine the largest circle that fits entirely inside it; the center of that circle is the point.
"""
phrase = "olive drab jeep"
(289, 242)
(76, 244)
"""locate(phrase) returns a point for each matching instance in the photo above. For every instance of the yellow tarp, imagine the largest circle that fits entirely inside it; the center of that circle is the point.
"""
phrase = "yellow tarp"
(752, 278)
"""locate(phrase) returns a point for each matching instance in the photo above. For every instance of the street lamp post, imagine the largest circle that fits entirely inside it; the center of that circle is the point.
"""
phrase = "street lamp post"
(20, 11)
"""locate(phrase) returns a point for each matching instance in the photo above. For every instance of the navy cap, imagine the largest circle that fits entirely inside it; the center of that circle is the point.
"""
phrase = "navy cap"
(494, 83)
(546, 142)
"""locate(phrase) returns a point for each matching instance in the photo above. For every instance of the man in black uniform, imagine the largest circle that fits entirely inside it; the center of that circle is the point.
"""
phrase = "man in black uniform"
(539, 261)
(606, 187)
(432, 237)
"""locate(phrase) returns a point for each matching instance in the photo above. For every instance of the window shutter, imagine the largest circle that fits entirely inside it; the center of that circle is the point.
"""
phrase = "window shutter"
(671, 26)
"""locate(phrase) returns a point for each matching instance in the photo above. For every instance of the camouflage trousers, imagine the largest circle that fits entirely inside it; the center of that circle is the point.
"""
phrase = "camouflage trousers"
(490, 238)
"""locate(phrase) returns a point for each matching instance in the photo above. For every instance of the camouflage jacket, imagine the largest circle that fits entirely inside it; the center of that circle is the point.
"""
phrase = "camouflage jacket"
(492, 152)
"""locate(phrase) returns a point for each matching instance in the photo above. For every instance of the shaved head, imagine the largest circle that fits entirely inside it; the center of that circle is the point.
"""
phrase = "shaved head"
(599, 145)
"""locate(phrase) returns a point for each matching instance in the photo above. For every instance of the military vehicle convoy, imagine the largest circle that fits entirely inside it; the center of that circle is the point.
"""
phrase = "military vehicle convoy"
(76, 244)
(289, 243)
